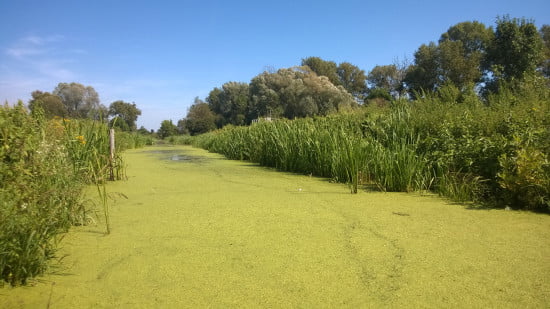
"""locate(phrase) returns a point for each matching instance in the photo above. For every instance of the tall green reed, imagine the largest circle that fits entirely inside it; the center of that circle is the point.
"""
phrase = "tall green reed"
(44, 166)
(468, 149)
(336, 147)
(40, 196)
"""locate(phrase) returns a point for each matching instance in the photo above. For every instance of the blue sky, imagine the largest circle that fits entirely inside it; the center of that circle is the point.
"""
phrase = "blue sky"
(163, 54)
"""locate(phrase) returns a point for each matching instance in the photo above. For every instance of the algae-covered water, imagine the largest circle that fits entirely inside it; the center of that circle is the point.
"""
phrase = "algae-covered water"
(197, 230)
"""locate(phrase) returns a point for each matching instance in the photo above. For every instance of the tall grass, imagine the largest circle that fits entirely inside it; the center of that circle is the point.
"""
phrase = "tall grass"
(40, 195)
(44, 166)
(337, 147)
(131, 140)
(494, 151)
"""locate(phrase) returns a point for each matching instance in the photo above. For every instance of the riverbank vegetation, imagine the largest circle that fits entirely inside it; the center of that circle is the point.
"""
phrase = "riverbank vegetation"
(45, 163)
(469, 118)
(493, 152)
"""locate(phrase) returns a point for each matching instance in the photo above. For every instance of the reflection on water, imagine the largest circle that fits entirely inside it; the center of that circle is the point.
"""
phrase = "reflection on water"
(180, 158)
(175, 155)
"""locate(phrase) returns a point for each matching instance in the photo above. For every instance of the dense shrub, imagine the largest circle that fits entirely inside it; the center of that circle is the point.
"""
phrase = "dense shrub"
(44, 165)
(492, 151)
(39, 194)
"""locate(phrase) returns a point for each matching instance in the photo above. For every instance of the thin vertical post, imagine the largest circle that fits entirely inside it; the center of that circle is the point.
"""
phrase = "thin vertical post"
(112, 153)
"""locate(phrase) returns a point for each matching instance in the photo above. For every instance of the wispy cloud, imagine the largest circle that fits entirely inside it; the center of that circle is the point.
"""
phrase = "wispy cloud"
(33, 45)
(42, 60)
(21, 52)
(37, 40)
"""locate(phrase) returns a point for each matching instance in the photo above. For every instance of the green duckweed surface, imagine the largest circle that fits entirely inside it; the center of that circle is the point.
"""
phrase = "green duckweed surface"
(197, 230)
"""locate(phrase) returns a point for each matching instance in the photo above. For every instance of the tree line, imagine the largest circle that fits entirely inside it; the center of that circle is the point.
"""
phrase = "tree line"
(74, 100)
(469, 56)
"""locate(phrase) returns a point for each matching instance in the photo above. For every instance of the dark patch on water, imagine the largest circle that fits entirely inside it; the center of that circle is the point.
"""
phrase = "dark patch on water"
(180, 157)
(175, 155)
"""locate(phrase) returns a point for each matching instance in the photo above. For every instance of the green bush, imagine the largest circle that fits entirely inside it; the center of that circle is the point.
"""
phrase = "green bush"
(40, 196)
(44, 166)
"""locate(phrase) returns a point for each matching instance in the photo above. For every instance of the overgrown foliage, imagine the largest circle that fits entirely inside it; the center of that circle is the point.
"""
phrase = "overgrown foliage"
(494, 152)
(44, 166)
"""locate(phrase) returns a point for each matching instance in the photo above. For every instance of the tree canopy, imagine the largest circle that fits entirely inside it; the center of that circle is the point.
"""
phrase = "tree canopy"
(200, 119)
(345, 74)
(167, 129)
(352, 78)
(81, 101)
(124, 115)
(390, 78)
(296, 92)
(424, 73)
(517, 48)
(50, 104)
(291, 92)
(470, 54)
(323, 68)
(467, 60)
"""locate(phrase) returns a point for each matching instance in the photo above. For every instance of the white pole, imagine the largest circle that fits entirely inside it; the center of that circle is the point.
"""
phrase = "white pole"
(112, 155)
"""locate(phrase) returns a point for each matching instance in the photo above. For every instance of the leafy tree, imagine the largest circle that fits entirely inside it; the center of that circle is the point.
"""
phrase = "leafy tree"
(234, 102)
(265, 100)
(323, 68)
(516, 50)
(200, 119)
(345, 74)
(167, 128)
(424, 73)
(455, 67)
(181, 125)
(99, 113)
(458, 59)
(388, 77)
(213, 101)
(352, 78)
(475, 37)
(119, 123)
(383, 76)
(296, 92)
(50, 104)
(230, 103)
(462, 53)
(81, 101)
(124, 115)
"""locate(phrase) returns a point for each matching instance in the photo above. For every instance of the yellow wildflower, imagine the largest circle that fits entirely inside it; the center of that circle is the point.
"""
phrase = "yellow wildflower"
(81, 139)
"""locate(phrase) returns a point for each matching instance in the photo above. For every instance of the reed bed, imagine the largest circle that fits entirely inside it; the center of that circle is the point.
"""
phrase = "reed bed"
(338, 147)
(494, 153)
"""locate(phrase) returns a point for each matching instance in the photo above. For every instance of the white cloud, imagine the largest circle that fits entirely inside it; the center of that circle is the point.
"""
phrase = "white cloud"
(36, 62)
(20, 52)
